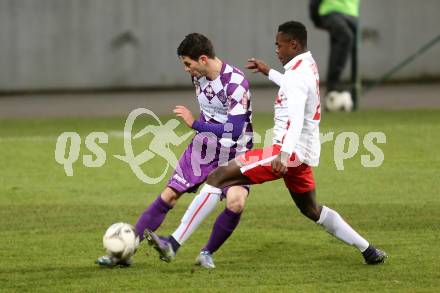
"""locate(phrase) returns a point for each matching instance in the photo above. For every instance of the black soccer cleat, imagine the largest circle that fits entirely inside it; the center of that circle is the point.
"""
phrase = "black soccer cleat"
(109, 261)
(374, 256)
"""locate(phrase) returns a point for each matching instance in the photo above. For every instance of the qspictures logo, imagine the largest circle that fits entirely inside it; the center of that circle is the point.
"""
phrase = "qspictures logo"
(205, 148)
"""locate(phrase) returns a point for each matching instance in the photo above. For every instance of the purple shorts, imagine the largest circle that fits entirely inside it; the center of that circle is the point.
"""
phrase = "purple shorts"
(194, 166)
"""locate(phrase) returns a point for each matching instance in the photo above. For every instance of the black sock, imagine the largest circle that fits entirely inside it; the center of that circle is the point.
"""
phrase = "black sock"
(369, 251)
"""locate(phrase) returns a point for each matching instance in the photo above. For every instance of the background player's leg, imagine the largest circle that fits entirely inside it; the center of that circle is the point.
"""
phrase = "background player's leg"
(355, 72)
(341, 40)
(329, 219)
(153, 216)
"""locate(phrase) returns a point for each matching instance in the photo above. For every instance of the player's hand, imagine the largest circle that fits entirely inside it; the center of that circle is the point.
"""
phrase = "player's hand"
(257, 65)
(279, 164)
(185, 114)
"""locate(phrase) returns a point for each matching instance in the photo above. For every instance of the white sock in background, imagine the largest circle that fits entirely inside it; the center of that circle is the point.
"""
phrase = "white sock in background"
(335, 225)
(201, 206)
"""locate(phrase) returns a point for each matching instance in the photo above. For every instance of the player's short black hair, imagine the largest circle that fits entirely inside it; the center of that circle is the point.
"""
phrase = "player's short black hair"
(294, 30)
(195, 45)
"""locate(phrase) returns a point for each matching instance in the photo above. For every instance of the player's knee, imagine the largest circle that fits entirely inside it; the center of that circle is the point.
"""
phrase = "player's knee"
(237, 205)
(236, 199)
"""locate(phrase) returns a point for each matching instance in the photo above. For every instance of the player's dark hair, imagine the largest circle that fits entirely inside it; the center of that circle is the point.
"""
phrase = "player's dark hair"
(294, 30)
(195, 45)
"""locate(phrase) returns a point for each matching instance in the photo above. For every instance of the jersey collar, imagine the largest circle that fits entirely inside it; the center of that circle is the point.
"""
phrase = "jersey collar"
(295, 60)
(222, 70)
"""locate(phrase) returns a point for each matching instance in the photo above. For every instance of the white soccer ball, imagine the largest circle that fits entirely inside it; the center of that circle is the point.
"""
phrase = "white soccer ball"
(121, 241)
(338, 101)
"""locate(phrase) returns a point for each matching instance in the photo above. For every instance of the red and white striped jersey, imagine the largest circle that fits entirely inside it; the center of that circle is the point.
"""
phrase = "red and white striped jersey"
(298, 109)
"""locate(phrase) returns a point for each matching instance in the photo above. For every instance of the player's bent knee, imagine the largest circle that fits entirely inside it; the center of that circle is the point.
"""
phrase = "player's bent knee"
(236, 206)
(236, 199)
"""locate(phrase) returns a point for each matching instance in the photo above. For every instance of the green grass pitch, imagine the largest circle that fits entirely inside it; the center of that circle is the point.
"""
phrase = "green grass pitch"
(52, 225)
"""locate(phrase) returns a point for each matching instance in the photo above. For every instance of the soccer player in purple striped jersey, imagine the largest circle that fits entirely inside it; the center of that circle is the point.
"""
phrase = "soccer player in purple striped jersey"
(223, 131)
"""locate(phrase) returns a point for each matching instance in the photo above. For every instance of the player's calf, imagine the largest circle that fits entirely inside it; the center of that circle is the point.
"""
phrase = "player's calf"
(307, 204)
(312, 213)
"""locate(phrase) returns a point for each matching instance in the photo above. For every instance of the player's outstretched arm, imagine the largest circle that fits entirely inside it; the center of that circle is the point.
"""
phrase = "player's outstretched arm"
(257, 65)
(237, 121)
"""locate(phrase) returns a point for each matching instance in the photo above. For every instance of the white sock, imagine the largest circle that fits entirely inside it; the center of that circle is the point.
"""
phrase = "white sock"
(201, 206)
(335, 225)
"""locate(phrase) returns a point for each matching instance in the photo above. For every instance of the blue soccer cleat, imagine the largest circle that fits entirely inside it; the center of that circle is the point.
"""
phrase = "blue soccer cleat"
(162, 246)
(205, 260)
(374, 256)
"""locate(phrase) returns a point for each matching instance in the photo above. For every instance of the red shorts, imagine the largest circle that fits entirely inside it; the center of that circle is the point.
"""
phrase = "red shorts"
(257, 167)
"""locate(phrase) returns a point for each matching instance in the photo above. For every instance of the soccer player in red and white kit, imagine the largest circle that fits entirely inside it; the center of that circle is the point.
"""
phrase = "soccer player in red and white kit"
(296, 145)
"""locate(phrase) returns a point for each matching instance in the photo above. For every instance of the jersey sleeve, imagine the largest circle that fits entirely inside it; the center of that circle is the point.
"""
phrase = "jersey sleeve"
(233, 125)
(238, 95)
(295, 89)
(275, 76)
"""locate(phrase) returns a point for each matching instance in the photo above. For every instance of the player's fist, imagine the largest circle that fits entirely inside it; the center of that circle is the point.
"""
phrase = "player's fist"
(185, 114)
(279, 164)
(257, 65)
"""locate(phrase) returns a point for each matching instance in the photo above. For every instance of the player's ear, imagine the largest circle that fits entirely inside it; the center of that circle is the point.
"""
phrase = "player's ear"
(294, 44)
(203, 59)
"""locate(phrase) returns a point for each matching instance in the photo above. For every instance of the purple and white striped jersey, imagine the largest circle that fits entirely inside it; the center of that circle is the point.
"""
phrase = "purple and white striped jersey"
(226, 101)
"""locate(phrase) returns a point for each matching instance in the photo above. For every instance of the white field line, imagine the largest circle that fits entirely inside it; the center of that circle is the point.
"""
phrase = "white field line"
(39, 138)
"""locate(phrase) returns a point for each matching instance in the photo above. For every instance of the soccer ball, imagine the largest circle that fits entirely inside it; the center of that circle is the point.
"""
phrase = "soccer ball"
(338, 101)
(120, 241)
